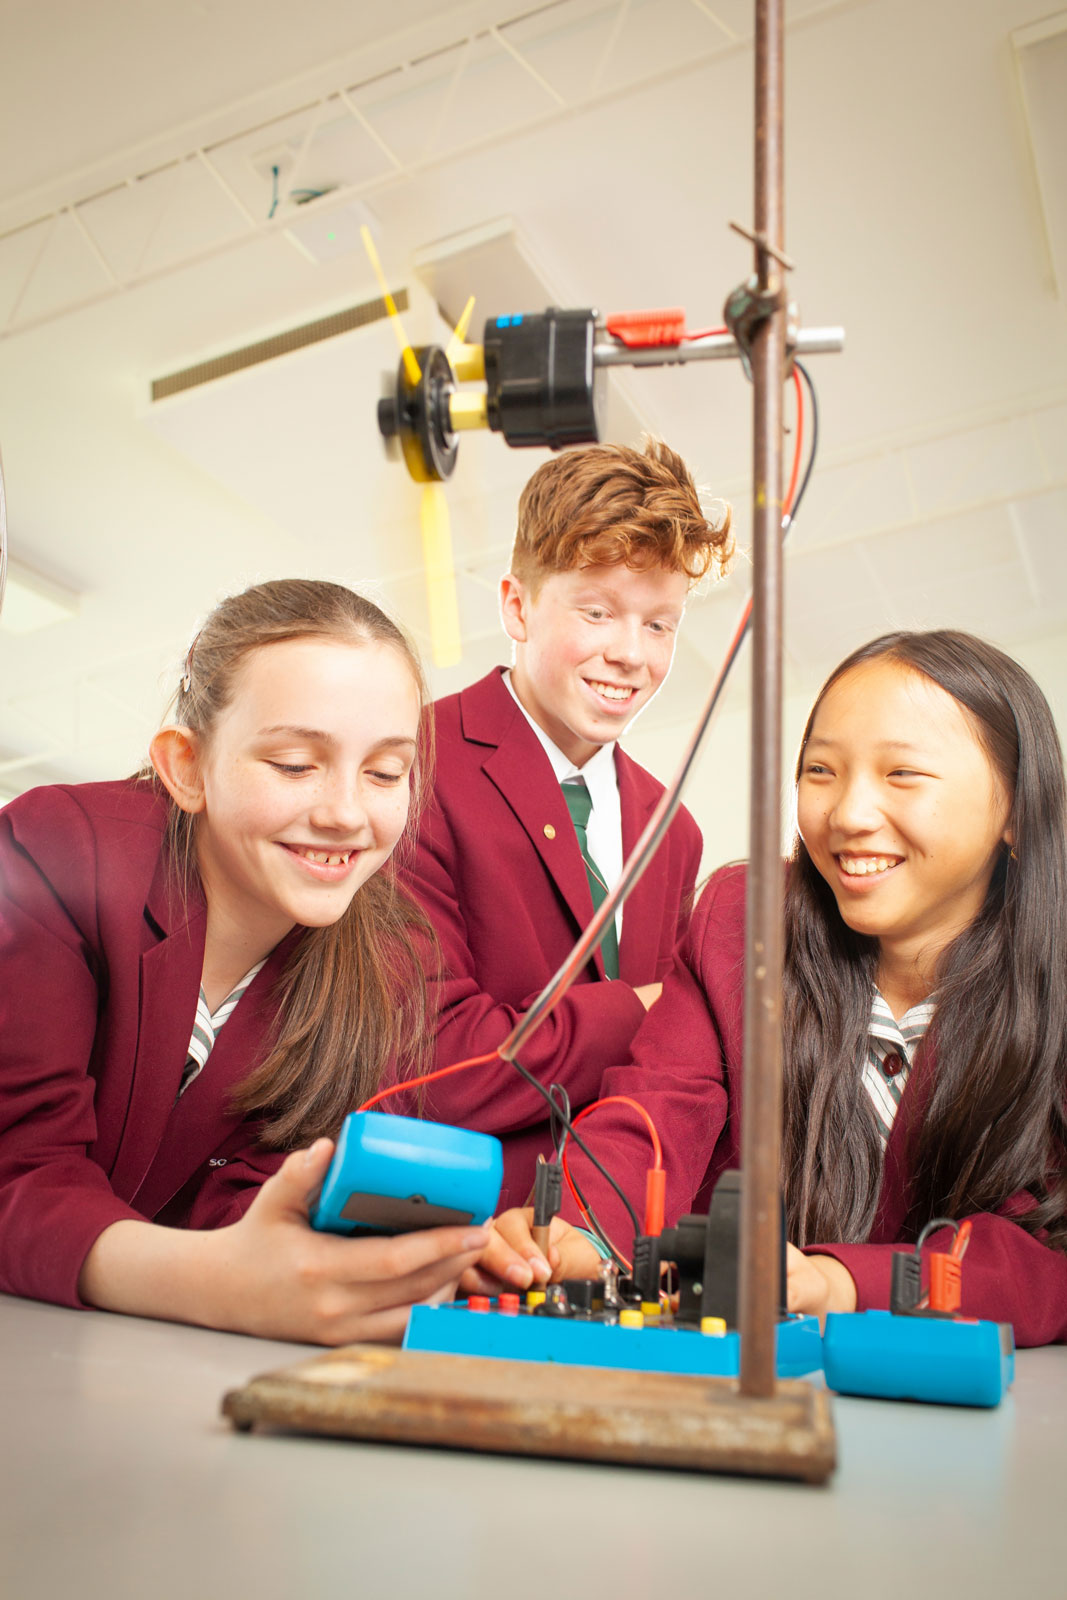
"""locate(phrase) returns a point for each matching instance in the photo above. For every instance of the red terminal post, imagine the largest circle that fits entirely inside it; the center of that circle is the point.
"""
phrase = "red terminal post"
(640, 330)
(944, 1282)
(655, 1199)
(945, 1273)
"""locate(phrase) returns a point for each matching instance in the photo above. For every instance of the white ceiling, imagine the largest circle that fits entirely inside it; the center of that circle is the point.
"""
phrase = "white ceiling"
(616, 137)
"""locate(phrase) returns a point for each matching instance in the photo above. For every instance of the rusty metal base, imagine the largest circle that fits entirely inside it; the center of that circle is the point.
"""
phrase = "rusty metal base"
(655, 1419)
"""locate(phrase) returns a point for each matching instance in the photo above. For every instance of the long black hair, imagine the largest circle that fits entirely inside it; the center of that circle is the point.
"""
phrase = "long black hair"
(995, 1123)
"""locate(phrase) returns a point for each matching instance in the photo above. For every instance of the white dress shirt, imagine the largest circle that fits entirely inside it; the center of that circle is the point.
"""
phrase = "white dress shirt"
(604, 830)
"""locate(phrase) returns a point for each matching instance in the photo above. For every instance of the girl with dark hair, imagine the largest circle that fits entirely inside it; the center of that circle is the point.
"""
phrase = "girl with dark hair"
(208, 966)
(924, 1003)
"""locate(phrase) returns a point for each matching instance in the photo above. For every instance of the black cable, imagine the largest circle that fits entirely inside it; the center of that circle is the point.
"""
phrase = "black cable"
(556, 1116)
(806, 375)
(934, 1227)
(596, 1226)
(546, 1094)
(558, 1097)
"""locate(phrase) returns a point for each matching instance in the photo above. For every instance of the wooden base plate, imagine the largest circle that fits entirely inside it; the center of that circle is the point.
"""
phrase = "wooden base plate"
(646, 1419)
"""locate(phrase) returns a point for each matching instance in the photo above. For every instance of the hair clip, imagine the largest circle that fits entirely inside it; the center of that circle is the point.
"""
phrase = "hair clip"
(187, 670)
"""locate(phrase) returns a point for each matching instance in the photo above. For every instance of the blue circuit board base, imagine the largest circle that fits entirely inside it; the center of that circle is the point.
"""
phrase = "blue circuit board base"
(945, 1360)
(591, 1342)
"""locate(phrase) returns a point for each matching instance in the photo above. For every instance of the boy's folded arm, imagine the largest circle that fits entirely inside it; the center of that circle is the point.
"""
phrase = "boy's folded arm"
(587, 1032)
(677, 1075)
(590, 1029)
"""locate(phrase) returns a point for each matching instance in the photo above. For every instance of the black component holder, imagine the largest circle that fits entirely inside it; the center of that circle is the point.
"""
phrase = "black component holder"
(542, 385)
(705, 1252)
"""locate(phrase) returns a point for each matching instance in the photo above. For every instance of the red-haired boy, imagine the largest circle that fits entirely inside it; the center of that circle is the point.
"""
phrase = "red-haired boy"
(609, 542)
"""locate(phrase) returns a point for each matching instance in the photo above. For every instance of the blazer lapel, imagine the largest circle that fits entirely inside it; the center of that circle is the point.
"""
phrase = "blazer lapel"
(204, 1116)
(521, 771)
(642, 919)
(170, 987)
(893, 1198)
(522, 774)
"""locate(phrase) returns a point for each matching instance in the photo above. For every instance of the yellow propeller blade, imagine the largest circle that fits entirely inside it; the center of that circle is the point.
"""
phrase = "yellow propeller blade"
(407, 354)
(459, 333)
(466, 360)
(440, 577)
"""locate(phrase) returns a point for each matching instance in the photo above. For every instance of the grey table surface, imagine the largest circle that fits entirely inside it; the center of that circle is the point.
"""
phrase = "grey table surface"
(118, 1477)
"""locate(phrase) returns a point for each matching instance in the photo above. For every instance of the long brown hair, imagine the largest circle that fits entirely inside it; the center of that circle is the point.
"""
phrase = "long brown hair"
(995, 1123)
(353, 995)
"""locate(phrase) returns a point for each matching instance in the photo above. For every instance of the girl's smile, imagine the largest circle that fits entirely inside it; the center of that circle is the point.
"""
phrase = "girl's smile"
(326, 865)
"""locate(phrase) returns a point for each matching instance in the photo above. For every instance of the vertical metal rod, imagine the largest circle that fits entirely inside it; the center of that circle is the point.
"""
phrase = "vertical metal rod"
(762, 1080)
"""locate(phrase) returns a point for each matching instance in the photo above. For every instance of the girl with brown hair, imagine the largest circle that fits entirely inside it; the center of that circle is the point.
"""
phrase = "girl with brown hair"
(206, 967)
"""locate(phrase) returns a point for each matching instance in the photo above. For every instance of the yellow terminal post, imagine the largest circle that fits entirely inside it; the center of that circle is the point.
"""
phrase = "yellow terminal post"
(631, 1318)
(650, 1308)
(715, 1326)
(534, 1297)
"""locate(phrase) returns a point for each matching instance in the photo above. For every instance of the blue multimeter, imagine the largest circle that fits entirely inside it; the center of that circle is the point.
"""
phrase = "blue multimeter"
(954, 1361)
(398, 1174)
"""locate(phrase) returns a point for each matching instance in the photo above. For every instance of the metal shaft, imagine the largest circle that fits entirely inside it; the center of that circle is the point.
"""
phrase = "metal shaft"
(609, 352)
(762, 1078)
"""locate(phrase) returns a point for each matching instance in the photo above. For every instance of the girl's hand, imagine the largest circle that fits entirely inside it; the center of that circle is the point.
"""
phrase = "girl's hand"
(817, 1284)
(271, 1274)
(287, 1281)
(512, 1257)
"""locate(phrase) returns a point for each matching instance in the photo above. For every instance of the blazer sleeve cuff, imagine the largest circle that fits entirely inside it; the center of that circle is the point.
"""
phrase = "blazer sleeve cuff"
(54, 1242)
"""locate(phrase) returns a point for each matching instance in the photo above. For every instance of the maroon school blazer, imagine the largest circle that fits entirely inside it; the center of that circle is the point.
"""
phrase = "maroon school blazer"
(686, 1072)
(100, 971)
(500, 875)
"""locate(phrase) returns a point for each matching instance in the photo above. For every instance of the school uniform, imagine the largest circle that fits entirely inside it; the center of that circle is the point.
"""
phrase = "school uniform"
(101, 964)
(499, 872)
(686, 1071)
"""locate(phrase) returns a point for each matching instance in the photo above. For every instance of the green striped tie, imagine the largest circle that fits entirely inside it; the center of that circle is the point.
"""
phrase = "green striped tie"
(580, 804)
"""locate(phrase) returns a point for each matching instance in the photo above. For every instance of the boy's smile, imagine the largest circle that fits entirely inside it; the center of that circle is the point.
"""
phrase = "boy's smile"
(592, 646)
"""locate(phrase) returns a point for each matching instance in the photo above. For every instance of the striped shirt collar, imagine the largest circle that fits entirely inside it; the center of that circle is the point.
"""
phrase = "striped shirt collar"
(891, 1045)
(208, 1024)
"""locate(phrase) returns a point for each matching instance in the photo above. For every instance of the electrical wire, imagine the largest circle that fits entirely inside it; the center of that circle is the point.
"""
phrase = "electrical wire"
(798, 366)
(559, 1143)
(798, 445)
(583, 1204)
(557, 1129)
(546, 1094)
(430, 1077)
